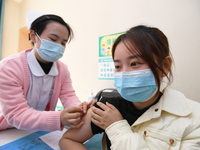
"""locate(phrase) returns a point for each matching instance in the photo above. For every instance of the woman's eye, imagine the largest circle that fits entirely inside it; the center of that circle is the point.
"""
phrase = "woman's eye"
(134, 64)
(117, 67)
(63, 44)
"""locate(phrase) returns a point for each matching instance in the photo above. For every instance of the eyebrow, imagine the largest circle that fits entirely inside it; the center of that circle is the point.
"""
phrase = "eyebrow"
(58, 36)
(130, 57)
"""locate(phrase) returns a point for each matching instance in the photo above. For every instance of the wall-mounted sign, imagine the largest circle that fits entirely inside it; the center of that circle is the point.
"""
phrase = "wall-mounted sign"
(106, 65)
(106, 69)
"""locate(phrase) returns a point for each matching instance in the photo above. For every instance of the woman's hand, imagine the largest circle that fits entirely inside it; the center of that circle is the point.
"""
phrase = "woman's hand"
(105, 118)
(71, 116)
(85, 105)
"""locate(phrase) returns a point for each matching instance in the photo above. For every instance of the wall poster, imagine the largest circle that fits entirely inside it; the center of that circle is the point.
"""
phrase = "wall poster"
(106, 65)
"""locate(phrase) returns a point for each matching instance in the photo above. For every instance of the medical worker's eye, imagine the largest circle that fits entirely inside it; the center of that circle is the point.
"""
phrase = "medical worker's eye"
(53, 39)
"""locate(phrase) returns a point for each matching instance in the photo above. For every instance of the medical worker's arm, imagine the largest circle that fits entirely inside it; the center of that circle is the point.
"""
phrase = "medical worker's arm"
(67, 95)
(73, 139)
(14, 106)
(15, 111)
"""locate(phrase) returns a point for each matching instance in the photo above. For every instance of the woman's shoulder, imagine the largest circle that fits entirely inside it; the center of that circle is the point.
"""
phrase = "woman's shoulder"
(194, 107)
(115, 101)
(180, 104)
(179, 96)
(63, 68)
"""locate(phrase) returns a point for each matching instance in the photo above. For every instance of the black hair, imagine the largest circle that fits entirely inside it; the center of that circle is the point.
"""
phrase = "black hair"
(40, 24)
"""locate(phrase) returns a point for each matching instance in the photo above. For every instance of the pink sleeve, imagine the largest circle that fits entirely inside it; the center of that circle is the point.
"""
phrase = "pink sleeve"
(14, 105)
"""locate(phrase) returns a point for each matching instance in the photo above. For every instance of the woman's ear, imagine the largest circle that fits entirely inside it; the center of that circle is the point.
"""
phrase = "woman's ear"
(167, 63)
(32, 36)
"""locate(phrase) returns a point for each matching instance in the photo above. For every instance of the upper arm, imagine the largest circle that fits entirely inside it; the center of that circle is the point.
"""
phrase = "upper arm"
(83, 133)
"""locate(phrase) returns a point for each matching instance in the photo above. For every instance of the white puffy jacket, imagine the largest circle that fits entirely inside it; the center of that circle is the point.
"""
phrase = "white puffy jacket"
(171, 124)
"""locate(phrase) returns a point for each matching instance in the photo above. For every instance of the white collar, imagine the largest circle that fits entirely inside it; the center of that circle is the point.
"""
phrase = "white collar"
(171, 101)
(175, 102)
(35, 67)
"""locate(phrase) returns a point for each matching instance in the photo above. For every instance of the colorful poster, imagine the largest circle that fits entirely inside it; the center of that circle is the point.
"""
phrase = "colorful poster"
(106, 64)
(105, 44)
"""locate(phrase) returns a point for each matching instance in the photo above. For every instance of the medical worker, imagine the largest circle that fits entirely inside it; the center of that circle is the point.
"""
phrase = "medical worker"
(32, 81)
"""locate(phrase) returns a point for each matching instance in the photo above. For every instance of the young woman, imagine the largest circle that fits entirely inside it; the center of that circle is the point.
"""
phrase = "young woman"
(32, 81)
(144, 117)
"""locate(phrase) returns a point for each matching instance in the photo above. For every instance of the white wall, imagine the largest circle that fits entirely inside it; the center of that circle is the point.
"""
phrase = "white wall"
(90, 19)
(10, 28)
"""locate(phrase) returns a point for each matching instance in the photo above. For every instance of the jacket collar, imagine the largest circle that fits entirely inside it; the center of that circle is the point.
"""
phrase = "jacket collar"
(36, 68)
(171, 101)
(175, 102)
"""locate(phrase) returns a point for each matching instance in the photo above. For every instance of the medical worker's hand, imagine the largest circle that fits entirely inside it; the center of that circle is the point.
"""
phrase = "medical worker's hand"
(105, 118)
(71, 116)
(85, 105)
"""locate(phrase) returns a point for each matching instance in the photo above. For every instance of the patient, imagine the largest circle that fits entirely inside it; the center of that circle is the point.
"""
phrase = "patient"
(144, 117)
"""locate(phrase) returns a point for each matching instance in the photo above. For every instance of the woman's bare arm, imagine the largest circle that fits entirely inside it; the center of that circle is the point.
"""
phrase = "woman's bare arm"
(75, 137)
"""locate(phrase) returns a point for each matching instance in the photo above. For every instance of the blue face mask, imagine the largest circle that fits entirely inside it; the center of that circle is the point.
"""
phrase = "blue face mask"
(136, 86)
(50, 51)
